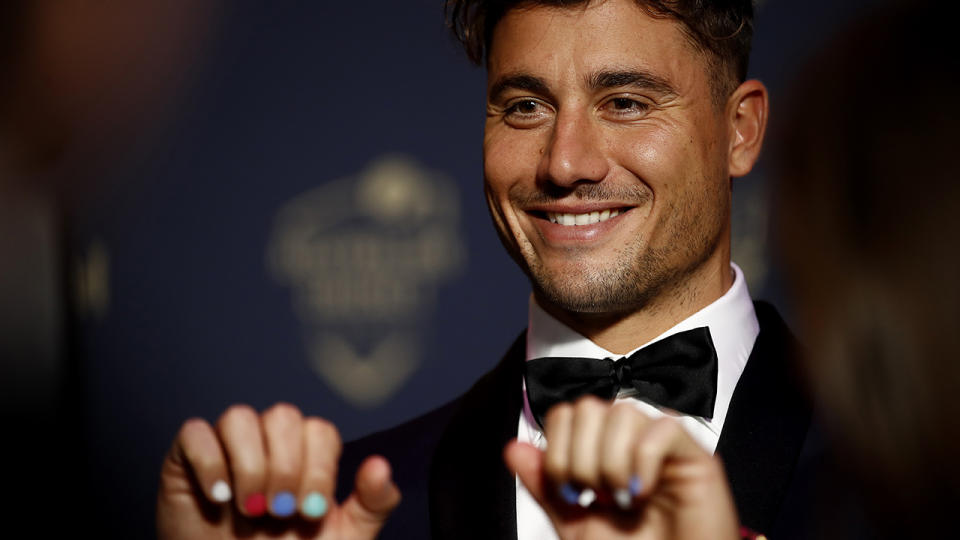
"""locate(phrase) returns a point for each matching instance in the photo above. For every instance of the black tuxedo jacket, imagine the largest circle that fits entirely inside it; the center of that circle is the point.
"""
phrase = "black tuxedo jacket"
(449, 466)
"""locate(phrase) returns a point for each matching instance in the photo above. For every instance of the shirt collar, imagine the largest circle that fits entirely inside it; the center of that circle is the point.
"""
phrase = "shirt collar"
(733, 326)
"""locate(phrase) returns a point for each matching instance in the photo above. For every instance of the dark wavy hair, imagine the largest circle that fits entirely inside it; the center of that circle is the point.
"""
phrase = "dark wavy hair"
(722, 29)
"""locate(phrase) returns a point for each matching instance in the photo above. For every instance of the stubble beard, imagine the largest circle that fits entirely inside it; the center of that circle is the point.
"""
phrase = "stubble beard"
(625, 287)
(640, 278)
(643, 275)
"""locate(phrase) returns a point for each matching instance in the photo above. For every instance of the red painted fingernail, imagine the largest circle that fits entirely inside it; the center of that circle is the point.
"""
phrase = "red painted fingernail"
(255, 505)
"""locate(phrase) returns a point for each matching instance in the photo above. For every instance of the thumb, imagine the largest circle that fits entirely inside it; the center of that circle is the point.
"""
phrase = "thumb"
(526, 461)
(373, 499)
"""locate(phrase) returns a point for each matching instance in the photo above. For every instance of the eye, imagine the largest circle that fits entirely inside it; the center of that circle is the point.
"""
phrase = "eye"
(526, 113)
(625, 108)
(524, 106)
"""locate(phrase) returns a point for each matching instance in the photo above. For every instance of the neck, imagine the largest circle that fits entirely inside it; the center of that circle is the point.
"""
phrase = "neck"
(621, 333)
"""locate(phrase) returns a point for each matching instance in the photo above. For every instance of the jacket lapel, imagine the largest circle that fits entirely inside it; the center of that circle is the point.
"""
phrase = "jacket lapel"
(766, 424)
(472, 495)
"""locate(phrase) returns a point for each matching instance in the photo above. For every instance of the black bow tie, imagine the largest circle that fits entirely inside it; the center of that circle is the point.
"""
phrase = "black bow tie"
(679, 372)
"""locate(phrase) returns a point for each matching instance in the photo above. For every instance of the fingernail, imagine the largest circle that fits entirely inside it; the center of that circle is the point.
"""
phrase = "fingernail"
(314, 505)
(284, 504)
(220, 492)
(635, 485)
(569, 493)
(255, 505)
(623, 498)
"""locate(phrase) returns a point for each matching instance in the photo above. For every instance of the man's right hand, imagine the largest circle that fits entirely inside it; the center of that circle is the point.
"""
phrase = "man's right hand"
(269, 475)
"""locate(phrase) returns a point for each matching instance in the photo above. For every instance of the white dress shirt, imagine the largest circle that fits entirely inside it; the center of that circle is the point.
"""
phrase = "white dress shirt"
(733, 327)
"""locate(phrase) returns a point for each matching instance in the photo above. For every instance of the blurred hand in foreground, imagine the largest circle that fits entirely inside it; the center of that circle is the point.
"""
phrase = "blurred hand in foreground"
(269, 475)
(650, 479)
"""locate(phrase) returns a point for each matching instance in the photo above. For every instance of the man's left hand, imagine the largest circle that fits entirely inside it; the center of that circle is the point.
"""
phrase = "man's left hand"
(652, 480)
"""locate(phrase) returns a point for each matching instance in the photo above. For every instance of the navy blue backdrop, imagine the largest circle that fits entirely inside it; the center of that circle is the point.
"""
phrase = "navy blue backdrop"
(243, 241)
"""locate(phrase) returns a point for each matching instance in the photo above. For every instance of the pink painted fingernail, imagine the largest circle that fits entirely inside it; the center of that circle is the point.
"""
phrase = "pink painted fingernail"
(255, 505)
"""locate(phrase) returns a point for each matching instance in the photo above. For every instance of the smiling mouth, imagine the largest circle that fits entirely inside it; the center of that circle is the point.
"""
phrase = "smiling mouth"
(588, 218)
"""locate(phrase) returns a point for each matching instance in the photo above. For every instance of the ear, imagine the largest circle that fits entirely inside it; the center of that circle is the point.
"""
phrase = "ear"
(747, 112)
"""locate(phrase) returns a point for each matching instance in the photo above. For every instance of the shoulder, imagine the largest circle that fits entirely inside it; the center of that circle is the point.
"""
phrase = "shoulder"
(773, 325)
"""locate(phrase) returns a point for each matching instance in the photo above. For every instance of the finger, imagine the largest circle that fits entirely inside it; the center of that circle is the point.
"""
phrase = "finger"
(197, 448)
(589, 415)
(321, 454)
(661, 440)
(283, 436)
(557, 430)
(374, 497)
(619, 437)
(240, 431)
(527, 461)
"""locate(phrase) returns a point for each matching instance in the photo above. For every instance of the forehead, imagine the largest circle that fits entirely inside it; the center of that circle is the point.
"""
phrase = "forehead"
(558, 42)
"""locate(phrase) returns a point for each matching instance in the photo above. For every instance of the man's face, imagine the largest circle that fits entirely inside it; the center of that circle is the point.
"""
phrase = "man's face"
(605, 157)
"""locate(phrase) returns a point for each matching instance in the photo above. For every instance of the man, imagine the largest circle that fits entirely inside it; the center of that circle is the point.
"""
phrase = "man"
(613, 131)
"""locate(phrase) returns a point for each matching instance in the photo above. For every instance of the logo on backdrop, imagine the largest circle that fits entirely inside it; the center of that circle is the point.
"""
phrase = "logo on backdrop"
(364, 256)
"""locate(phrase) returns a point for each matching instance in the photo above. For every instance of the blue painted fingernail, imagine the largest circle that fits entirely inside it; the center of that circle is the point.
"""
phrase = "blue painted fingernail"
(314, 505)
(635, 485)
(284, 504)
(569, 493)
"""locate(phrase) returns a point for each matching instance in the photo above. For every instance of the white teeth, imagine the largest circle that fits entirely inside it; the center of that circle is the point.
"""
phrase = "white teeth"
(582, 219)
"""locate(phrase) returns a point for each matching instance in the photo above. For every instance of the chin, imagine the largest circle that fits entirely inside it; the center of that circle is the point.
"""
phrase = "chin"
(614, 294)
(626, 285)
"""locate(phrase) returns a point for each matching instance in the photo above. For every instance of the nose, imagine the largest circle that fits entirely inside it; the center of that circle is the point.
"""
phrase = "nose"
(574, 154)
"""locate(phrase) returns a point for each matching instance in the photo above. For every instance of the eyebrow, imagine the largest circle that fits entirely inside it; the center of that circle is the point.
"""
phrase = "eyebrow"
(519, 81)
(600, 80)
(639, 79)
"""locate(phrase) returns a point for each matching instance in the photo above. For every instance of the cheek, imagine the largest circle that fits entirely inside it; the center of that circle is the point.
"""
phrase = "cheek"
(500, 170)
(655, 158)
(510, 157)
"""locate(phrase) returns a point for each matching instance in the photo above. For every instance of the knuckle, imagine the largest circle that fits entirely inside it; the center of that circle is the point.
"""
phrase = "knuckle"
(590, 404)
(621, 417)
(667, 427)
(558, 413)
(282, 412)
(324, 433)
(323, 429)
(237, 413)
(623, 410)
(191, 438)
(192, 427)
